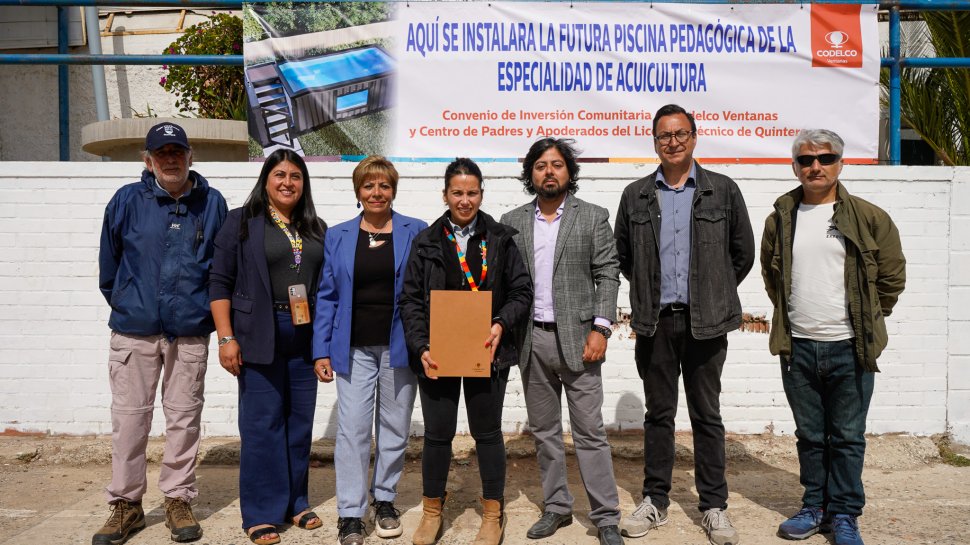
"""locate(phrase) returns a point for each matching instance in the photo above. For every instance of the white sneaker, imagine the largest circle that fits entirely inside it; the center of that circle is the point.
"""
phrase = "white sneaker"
(643, 519)
(719, 529)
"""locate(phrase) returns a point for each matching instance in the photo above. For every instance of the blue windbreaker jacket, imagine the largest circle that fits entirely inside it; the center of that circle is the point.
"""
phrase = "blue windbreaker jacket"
(155, 256)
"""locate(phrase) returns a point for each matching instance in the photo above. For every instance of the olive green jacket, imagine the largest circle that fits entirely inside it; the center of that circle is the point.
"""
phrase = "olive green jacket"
(875, 270)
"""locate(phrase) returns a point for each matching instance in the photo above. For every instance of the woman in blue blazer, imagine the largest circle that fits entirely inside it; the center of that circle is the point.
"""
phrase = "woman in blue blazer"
(266, 251)
(358, 337)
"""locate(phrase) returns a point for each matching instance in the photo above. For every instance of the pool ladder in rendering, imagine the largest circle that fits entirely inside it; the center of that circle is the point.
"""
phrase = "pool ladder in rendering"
(275, 111)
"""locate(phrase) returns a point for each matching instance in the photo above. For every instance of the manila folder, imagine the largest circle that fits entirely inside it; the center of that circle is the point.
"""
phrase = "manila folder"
(461, 322)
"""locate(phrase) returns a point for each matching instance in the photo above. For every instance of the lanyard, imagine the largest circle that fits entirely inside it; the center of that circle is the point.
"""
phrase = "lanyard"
(464, 264)
(296, 243)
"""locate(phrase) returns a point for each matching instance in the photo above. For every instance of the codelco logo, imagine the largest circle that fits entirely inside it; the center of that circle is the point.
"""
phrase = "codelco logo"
(836, 36)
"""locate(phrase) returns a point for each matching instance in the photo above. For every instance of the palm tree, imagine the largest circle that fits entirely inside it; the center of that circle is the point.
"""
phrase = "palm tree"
(935, 102)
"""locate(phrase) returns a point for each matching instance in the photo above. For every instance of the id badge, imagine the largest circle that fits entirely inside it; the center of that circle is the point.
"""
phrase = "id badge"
(299, 306)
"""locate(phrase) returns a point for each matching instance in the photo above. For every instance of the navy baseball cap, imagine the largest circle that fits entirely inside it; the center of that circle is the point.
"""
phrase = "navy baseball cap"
(166, 133)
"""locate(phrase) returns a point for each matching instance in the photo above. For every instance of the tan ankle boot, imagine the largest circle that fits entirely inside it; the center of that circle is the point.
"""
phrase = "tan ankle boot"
(429, 529)
(493, 523)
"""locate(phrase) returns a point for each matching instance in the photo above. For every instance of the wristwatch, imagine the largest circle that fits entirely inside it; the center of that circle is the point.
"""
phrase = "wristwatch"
(226, 340)
(603, 330)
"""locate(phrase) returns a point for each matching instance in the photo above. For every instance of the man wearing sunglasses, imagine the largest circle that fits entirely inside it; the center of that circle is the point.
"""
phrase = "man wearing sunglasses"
(685, 243)
(832, 281)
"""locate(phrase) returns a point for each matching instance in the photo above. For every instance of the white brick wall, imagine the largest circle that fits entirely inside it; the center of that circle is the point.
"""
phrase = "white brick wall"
(958, 366)
(54, 337)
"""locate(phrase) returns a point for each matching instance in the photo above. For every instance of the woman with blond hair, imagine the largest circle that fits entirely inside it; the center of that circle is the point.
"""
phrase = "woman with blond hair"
(359, 340)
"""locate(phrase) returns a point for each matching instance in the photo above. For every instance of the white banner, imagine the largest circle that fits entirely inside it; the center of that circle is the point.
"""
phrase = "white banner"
(486, 80)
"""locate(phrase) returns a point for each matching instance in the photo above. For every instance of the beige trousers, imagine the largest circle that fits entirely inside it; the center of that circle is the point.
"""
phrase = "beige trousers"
(135, 365)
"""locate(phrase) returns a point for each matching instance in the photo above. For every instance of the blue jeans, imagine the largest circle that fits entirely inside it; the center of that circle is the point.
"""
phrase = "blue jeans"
(371, 382)
(829, 394)
(276, 406)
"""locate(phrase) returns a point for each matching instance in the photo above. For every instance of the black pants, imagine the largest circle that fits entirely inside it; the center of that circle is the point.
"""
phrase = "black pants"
(660, 360)
(484, 398)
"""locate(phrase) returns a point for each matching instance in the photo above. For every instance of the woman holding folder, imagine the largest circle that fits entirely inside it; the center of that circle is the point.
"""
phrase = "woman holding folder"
(465, 249)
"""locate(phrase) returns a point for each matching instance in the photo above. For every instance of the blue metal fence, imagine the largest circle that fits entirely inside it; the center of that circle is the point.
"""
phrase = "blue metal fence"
(895, 62)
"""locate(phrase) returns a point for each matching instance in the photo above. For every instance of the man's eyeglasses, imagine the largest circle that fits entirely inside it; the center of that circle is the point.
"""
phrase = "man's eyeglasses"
(824, 159)
(681, 137)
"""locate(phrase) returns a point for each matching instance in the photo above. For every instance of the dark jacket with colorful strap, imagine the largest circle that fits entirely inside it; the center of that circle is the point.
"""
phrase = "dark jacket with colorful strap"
(875, 270)
(155, 255)
(509, 282)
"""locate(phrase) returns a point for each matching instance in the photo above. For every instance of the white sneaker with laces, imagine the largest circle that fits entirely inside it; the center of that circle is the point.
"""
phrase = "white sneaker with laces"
(719, 529)
(644, 518)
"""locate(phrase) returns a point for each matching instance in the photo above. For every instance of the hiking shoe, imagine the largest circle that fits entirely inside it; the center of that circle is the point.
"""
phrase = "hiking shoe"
(126, 518)
(644, 518)
(846, 530)
(547, 524)
(180, 520)
(350, 531)
(387, 519)
(609, 535)
(719, 529)
(803, 524)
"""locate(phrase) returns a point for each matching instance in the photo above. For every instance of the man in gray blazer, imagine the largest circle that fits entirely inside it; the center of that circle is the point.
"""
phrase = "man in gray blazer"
(567, 244)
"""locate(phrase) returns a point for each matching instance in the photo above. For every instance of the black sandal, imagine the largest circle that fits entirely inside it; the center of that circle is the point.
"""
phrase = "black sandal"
(304, 521)
(258, 536)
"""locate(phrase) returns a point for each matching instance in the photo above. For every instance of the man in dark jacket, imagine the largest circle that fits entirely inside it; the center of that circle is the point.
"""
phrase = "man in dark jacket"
(156, 246)
(832, 283)
(685, 243)
(566, 243)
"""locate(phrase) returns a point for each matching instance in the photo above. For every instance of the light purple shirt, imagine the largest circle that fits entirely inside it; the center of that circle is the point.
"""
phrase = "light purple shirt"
(544, 240)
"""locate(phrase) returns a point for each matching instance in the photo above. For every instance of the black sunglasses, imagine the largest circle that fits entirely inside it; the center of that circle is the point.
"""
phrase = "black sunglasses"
(824, 159)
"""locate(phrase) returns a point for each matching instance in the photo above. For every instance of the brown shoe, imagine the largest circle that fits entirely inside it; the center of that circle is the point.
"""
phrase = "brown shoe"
(429, 529)
(126, 519)
(180, 520)
(493, 523)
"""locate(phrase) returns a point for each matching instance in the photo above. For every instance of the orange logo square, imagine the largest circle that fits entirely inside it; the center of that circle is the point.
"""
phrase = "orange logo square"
(836, 36)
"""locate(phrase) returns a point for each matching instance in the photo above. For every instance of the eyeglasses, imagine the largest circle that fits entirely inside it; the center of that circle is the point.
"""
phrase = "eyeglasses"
(681, 137)
(824, 159)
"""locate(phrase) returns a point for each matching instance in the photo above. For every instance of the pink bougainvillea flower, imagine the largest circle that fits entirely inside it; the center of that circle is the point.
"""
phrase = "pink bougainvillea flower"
(162, 81)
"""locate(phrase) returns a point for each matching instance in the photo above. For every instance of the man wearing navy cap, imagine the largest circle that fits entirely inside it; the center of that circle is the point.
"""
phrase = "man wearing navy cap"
(156, 246)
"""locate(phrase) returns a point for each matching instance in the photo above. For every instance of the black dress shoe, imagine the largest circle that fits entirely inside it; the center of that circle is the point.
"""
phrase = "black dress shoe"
(547, 524)
(610, 535)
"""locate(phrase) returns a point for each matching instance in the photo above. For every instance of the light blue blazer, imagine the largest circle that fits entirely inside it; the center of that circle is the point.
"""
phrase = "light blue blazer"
(331, 328)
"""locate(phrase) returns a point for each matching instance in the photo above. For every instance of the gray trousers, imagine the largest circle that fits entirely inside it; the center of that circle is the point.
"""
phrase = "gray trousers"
(544, 381)
(372, 385)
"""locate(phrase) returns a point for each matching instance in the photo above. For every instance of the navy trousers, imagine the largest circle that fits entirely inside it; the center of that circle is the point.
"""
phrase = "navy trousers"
(276, 406)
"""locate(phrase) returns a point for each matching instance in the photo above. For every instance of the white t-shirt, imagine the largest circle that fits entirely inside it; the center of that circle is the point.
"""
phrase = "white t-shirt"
(818, 308)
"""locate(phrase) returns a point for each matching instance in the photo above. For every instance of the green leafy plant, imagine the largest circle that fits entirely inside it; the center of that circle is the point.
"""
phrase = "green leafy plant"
(935, 102)
(288, 19)
(216, 92)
